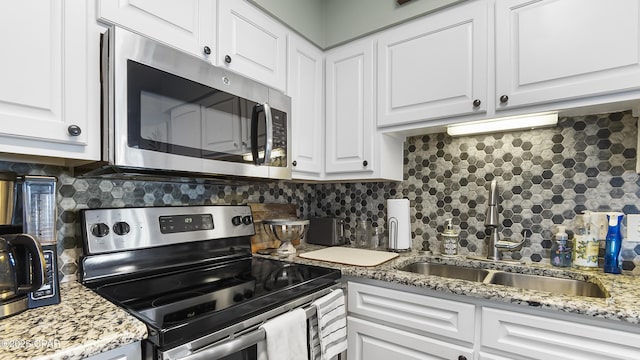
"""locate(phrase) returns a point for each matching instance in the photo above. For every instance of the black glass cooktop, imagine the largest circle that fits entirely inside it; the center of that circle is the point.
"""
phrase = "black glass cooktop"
(181, 305)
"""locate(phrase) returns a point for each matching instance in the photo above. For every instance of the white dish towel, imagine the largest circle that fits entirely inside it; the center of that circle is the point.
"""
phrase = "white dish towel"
(331, 325)
(287, 336)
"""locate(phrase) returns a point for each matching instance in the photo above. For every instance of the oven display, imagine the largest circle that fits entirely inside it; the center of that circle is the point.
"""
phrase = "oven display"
(184, 223)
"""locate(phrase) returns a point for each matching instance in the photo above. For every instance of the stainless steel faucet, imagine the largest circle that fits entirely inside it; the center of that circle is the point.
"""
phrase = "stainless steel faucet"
(491, 222)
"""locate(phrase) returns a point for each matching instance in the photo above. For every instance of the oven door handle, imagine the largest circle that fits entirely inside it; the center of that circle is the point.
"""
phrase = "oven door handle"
(217, 351)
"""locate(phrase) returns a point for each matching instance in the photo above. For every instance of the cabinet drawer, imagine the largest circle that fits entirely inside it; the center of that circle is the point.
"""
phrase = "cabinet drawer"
(544, 338)
(418, 312)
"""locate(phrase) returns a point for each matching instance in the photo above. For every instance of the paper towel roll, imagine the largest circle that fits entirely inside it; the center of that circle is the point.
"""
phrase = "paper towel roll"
(399, 223)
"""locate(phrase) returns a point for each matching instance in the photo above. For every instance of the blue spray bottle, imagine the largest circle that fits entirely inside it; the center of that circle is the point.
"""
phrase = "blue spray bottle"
(614, 244)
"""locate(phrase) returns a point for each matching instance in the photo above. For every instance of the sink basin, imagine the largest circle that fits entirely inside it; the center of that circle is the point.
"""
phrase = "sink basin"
(549, 284)
(448, 271)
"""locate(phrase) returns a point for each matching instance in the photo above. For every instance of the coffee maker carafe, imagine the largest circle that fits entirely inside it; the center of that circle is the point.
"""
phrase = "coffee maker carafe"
(22, 270)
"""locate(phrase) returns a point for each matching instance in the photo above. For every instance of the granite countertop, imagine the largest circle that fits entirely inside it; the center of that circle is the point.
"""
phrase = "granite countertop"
(83, 324)
(622, 304)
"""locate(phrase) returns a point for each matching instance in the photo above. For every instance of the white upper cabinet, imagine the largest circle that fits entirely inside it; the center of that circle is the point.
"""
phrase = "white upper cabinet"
(49, 98)
(188, 25)
(305, 86)
(252, 43)
(350, 123)
(553, 50)
(355, 150)
(433, 67)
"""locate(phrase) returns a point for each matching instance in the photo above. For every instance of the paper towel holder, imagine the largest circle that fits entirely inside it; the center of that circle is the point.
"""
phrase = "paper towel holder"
(396, 244)
(393, 236)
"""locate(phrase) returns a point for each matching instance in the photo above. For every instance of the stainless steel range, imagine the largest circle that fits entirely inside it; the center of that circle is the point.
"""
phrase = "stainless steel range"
(188, 273)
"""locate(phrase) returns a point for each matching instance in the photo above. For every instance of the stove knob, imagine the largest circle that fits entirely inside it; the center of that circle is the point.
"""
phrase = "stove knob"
(238, 297)
(100, 230)
(248, 294)
(247, 220)
(236, 220)
(121, 228)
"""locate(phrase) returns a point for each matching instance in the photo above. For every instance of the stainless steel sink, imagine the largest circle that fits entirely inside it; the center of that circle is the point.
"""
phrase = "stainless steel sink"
(448, 271)
(522, 281)
(549, 284)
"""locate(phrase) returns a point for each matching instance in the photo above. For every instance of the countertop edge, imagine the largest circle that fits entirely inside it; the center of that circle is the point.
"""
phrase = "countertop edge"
(73, 329)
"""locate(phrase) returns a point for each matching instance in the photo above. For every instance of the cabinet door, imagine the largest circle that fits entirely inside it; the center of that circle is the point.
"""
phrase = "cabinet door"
(251, 43)
(188, 25)
(553, 50)
(544, 338)
(49, 98)
(306, 79)
(434, 67)
(349, 108)
(371, 341)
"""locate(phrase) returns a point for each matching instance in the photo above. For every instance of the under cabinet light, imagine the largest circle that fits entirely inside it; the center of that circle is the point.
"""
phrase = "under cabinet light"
(531, 121)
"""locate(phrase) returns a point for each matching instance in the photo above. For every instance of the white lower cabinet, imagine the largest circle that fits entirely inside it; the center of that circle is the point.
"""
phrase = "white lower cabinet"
(372, 341)
(391, 324)
(385, 323)
(535, 337)
(131, 351)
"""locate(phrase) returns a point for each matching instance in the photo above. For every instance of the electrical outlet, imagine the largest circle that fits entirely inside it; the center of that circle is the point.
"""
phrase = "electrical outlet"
(633, 227)
(599, 225)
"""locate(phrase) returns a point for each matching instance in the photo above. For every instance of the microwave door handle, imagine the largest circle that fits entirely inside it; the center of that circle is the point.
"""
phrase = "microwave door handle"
(257, 109)
(269, 136)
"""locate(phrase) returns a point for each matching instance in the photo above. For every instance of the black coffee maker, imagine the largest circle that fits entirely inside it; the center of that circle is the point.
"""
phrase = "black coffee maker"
(22, 263)
(28, 207)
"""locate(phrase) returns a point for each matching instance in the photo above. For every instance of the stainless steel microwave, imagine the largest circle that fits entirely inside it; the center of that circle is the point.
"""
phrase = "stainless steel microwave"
(169, 113)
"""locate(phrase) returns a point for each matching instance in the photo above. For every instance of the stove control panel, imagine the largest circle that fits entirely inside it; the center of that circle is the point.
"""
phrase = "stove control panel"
(109, 230)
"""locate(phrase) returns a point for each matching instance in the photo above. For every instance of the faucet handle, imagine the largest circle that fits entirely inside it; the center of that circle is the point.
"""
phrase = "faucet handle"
(510, 245)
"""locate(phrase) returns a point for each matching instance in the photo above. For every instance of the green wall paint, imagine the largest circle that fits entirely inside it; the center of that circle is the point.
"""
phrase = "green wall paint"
(307, 17)
(328, 23)
(349, 19)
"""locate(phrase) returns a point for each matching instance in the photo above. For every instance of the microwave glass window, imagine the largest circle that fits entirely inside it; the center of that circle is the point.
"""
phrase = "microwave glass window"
(171, 114)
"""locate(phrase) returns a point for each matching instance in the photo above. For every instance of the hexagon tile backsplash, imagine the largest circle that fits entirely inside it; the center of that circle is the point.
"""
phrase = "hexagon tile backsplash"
(545, 177)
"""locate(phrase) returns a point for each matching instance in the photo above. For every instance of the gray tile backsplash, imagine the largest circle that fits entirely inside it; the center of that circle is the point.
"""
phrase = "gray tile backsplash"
(545, 177)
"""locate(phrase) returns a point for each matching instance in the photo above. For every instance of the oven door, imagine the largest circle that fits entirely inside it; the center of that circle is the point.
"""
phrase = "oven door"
(242, 341)
(173, 111)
